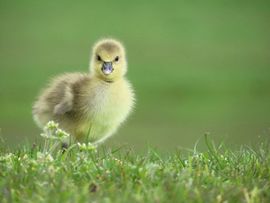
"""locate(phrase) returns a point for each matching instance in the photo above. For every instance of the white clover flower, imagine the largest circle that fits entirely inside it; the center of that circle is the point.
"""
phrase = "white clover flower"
(52, 170)
(49, 158)
(61, 134)
(51, 125)
(40, 155)
(87, 147)
(34, 163)
(49, 136)
(46, 136)
(53, 132)
(49, 130)
(7, 157)
(151, 169)
(25, 157)
(118, 161)
(44, 157)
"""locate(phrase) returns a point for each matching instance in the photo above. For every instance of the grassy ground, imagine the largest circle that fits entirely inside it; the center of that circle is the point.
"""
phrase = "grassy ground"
(84, 174)
(195, 66)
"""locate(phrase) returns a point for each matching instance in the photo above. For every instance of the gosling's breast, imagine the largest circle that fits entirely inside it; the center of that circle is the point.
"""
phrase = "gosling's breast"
(110, 103)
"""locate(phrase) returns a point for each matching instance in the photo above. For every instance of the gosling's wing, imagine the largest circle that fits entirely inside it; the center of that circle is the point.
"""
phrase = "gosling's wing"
(69, 88)
(58, 97)
(66, 103)
(75, 88)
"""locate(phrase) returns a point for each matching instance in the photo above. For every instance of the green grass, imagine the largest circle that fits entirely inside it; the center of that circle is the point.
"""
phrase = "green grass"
(195, 66)
(86, 174)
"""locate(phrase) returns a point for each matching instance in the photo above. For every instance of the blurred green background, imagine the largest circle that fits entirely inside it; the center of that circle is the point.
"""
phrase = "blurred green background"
(197, 66)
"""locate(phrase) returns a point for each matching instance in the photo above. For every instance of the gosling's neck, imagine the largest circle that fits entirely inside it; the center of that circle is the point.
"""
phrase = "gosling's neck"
(106, 80)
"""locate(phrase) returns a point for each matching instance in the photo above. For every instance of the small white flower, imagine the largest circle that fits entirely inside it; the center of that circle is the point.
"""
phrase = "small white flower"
(44, 157)
(48, 136)
(49, 158)
(25, 157)
(61, 134)
(151, 169)
(87, 147)
(53, 132)
(7, 157)
(51, 125)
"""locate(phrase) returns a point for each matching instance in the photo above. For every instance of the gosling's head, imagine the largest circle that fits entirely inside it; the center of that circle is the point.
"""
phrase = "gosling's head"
(108, 60)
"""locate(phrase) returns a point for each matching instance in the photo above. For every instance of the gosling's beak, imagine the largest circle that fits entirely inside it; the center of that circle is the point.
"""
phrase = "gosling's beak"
(107, 68)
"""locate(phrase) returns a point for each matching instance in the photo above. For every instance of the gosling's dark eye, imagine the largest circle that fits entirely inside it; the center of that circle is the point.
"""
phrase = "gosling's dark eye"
(99, 58)
(116, 58)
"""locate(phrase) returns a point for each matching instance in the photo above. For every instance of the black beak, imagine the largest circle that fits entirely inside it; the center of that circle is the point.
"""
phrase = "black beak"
(107, 68)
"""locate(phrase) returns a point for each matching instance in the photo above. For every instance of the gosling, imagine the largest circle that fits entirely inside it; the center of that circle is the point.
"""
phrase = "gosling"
(91, 106)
